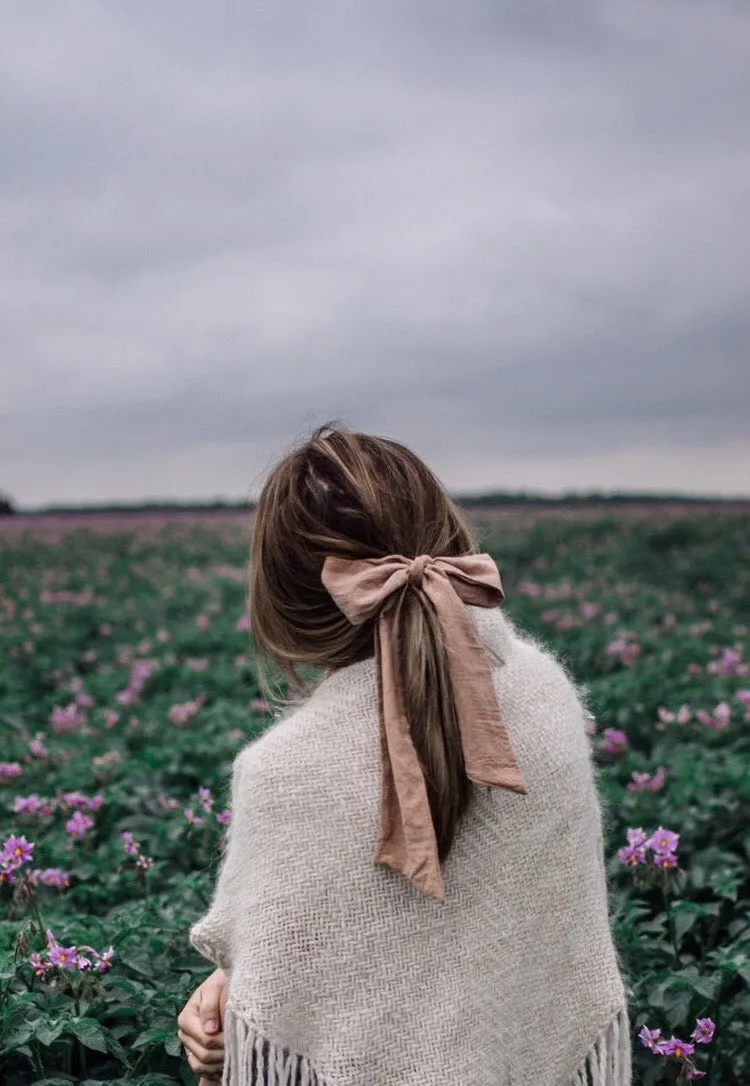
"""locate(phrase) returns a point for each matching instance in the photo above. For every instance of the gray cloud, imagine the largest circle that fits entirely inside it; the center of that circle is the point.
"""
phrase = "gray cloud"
(511, 235)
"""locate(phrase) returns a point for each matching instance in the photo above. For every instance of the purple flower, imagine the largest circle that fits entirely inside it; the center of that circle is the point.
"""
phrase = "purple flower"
(614, 741)
(722, 716)
(205, 799)
(729, 665)
(83, 964)
(192, 818)
(9, 771)
(79, 824)
(53, 876)
(64, 957)
(663, 840)
(144, 862)
(631, 856)
(665, 860)
(183, 714)
(636, 837)
(105, 961)
(657, 781)
(166, 802)
(141, 670)
(130, 845)
(16, 852)
(649, 1037)
(39, 965)
(625, 651)
(677, 1048)
(703, 1033)
(224, 817)
(67, 719)
(76, 800)
(694, 1073)
(38, 748)
(27, 805)
(638, 781)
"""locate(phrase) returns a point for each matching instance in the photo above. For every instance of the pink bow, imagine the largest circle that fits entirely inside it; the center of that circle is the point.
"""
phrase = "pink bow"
(406, 841)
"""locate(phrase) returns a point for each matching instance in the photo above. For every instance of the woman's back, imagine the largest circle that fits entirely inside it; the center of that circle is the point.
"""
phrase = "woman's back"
(343, 972)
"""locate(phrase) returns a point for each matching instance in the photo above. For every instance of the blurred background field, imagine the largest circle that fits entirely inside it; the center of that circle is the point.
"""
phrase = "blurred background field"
(127, 687)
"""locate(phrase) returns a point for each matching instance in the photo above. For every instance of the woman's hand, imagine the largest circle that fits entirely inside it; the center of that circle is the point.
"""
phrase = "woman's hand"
(201, 1025)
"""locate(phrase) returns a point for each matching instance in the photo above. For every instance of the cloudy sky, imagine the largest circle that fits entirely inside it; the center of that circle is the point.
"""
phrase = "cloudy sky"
(513, 234)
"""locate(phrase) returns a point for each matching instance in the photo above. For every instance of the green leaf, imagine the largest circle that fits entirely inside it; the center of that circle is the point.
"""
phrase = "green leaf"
(58, 1081)
(150, 1037)
(47, 1033)
(677, 1007)
(744, 972)
(89, 1033)
(686, 914)
(173, 1046)
(17, 1037)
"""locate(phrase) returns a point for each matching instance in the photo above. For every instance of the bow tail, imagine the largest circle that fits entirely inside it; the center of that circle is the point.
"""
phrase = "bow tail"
(406, 840)
(488, 752)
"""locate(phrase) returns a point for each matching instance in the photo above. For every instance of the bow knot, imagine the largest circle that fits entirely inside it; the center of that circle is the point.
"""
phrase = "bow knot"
(359, 587)
(415, 573)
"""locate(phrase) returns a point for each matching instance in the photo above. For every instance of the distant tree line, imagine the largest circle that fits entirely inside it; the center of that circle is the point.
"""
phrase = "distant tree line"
(574, 498)
(468, 501)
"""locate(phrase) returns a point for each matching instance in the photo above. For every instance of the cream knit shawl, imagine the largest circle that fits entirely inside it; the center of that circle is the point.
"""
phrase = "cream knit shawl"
(342, 974)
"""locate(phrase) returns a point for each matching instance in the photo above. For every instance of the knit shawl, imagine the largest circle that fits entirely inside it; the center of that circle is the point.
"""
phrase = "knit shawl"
(343, 974)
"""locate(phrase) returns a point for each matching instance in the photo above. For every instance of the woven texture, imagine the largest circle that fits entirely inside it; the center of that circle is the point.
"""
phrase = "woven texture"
(342, 974)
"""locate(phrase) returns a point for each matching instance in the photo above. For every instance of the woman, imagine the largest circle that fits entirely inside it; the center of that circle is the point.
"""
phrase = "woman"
(413, 890)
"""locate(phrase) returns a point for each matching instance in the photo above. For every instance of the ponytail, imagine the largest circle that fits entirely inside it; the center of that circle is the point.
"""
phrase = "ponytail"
(431, 711)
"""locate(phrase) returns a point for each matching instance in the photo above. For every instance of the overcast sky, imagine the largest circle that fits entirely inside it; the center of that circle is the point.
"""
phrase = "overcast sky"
(514, 235)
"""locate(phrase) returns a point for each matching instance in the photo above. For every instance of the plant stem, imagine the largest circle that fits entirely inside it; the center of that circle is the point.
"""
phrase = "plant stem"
(670, 920)
(35, 907)
(715, 1017)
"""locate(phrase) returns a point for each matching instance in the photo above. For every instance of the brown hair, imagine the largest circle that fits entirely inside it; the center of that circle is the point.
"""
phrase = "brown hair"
(358, 496)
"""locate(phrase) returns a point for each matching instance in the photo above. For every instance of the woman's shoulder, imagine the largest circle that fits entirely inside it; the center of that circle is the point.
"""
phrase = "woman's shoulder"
(303, 735)
(521, 659)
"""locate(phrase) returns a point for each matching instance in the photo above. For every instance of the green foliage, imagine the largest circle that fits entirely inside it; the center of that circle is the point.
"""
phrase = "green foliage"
(79, 610)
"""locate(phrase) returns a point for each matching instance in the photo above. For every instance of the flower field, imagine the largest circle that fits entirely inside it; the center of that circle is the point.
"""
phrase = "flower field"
(127, 687)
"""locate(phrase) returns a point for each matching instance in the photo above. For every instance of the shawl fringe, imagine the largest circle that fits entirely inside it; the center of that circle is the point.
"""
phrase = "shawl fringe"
(251, 1059)
(608, 1062)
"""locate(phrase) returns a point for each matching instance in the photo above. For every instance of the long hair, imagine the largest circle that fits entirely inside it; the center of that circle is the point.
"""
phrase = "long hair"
(354, 495)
